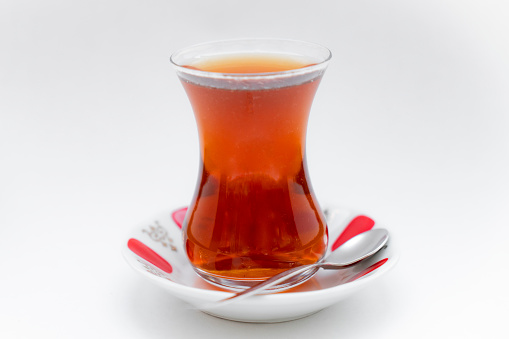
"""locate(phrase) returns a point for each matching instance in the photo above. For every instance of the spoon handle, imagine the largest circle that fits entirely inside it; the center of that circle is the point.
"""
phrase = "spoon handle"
(274, 280)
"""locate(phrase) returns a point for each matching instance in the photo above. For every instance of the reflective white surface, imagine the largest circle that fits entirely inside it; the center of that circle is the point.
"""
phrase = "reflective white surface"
(410, 124)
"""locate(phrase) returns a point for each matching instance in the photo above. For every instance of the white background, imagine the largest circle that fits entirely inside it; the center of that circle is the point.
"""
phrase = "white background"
(410, 125)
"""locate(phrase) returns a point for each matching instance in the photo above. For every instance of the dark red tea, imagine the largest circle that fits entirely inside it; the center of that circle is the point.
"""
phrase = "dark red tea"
(254, 213)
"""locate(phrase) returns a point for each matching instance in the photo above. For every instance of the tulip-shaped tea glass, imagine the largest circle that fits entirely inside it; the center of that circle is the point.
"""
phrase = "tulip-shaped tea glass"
(254, 213)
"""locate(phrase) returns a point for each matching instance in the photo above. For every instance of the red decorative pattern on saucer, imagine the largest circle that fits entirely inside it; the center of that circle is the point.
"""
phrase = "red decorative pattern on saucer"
(358, 225)
(368, 270)
(149, 255)
(178, 216)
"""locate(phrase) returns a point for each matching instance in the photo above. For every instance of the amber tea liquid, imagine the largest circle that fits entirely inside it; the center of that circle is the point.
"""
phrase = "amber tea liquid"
(254, 213)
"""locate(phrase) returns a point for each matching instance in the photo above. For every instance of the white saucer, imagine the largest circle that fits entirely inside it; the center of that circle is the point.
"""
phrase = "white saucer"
(155, 250)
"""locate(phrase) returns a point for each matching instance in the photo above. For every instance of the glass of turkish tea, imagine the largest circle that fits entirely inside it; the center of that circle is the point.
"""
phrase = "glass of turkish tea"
(254, 213)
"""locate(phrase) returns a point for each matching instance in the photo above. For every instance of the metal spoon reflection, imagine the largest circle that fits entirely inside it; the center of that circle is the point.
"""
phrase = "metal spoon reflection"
(358, 248)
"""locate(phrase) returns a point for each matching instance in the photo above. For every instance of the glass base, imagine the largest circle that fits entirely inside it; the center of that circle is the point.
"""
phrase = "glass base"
(240, 285)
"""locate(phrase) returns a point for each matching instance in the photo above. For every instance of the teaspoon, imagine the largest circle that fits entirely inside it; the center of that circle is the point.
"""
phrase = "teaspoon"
(351, 252)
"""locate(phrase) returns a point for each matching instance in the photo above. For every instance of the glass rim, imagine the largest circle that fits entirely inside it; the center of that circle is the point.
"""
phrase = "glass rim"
(319, 64)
